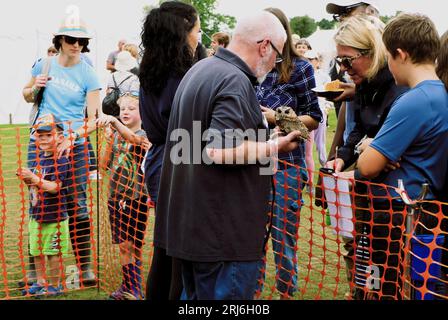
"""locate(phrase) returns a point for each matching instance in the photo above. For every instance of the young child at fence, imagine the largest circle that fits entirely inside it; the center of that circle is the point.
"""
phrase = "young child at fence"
(415, 134)
(48, 179)
(127, 204)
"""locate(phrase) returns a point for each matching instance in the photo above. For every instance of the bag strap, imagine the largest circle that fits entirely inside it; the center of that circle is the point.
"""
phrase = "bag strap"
(45, 70)
(115, 82)
(124, 80)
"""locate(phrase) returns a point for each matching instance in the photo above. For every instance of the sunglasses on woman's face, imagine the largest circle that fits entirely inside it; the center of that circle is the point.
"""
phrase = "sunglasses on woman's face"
(72, 40)
(347, 62)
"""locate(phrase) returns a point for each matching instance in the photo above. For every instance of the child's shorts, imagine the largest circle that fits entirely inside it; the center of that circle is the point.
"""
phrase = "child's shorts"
(49, 239)
(128, 220)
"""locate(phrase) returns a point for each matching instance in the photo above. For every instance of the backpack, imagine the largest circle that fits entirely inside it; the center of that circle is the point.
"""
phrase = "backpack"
(110, 105)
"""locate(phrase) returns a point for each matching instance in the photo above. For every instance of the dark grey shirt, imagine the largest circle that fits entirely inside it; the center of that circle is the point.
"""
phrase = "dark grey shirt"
(209, 212)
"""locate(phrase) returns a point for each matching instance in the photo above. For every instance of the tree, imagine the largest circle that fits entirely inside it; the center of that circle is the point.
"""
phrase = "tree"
(211, 21)
(304, 26)
(386, 19)
(325, 24)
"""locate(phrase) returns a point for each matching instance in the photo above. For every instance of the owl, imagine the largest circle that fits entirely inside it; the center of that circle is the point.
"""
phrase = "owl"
(287, 120)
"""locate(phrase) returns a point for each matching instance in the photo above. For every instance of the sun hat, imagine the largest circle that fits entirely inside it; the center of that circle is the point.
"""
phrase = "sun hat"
(340, 7)
(125, 61)
(75, 29)
(48, 122)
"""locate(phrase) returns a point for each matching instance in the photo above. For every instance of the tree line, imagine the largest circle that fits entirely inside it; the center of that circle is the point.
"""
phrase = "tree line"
(212, 21)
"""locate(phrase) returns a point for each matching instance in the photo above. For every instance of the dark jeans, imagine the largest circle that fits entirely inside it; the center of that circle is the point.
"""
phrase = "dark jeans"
(219, 280)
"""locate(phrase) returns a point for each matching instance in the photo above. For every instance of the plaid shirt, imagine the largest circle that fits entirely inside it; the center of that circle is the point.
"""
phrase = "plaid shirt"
(296, 94)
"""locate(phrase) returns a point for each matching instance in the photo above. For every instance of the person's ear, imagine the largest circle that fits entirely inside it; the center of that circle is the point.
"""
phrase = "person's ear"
(263, 48)
(402, 55)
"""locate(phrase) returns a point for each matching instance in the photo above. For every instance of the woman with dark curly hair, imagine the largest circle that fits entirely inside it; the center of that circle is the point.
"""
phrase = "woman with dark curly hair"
(169, 40)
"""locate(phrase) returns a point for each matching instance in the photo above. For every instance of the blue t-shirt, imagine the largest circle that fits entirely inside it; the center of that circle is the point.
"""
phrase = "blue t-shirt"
(45, 206)
(66, 92)
(416, 131)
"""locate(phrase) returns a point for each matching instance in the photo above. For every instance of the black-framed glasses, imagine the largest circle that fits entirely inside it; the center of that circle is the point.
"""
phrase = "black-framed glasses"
(347, 62)
(72, 40)
(279, 57)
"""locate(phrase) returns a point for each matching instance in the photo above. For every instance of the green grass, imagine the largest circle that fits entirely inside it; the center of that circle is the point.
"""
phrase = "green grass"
(321, 268)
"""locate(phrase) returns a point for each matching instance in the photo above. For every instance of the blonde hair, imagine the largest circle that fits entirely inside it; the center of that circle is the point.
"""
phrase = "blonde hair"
(126, 96)
(364, 33)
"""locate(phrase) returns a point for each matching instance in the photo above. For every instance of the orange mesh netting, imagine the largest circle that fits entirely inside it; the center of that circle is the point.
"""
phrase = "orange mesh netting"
(360, 246)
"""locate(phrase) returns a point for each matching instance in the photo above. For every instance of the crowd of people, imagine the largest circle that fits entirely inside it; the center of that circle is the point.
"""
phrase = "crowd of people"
(211, 213)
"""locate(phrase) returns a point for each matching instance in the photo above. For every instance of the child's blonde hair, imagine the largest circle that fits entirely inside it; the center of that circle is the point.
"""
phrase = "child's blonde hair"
(126, 96)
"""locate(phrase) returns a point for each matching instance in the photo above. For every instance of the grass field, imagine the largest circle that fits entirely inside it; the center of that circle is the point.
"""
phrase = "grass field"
(321, 268)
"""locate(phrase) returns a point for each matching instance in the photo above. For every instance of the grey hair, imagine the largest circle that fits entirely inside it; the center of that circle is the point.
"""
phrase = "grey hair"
(259, 26)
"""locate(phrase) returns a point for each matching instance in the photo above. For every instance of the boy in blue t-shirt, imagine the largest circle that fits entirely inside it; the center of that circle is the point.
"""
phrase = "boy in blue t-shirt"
(413, 141)
(48, 179)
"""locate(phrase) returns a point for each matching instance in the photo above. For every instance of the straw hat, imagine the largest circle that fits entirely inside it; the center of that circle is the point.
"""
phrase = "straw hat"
(76, 29)
(125, 61)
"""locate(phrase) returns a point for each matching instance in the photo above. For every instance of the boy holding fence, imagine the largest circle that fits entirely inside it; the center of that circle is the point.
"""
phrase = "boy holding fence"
(48, 179)
(128, 199)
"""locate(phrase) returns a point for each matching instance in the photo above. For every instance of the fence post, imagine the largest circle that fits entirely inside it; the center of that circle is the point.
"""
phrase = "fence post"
(413, 207)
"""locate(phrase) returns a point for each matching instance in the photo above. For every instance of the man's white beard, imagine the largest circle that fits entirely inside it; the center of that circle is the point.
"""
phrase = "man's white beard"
(261, 79)
(261, 69)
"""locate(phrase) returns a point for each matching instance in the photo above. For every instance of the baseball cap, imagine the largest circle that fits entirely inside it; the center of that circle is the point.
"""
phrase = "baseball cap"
(48, 123)
(341, 6)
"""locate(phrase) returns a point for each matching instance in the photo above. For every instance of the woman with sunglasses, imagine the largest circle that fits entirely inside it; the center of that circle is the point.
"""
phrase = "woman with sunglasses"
(362, 54)
(65, 91)
(169, 40)
(289, 84)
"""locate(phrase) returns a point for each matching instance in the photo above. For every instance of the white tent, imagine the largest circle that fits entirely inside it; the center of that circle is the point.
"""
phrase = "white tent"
(322, 42)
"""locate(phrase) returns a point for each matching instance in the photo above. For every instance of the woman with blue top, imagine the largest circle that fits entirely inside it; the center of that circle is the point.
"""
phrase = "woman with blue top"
(70, 85)
(289, 84)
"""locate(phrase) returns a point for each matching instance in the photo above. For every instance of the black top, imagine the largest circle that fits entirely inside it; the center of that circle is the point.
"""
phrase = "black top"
(209, 213)
(373, 100)
(155, 111)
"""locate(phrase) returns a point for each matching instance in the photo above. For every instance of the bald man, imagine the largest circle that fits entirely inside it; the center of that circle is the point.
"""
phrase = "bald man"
(213, 201)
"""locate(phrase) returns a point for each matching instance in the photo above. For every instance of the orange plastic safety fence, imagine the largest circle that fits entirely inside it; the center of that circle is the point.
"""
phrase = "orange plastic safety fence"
(365, 243)
(354, 245)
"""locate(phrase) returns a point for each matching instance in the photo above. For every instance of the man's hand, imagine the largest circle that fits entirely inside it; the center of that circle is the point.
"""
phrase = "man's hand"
(289, 143)
(269, 114)
(336, 164)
